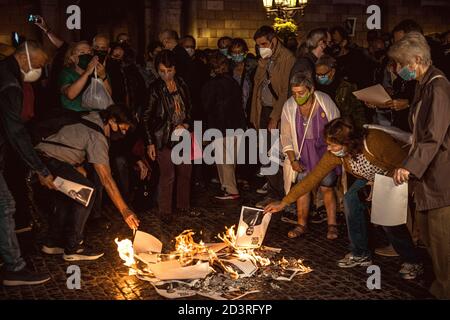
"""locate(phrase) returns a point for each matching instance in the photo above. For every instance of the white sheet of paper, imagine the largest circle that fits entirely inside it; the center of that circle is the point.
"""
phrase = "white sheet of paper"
(172, 270)
(374, 95)
(389, 202)
(147, 258)
(252, 228)
(145, 243)
(78, 192)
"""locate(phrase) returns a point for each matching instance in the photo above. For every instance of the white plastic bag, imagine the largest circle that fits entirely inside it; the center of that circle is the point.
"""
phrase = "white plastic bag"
(96, 97)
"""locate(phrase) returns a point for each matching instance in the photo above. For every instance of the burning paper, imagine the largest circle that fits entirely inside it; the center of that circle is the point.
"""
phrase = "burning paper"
(245, 268)
(173, 270)
(146, 243)
(223, 271)
(252, 228)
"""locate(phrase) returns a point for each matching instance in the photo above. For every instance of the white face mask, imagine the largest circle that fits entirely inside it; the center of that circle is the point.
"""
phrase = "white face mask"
(190, 51)
(265, 53)
(33, 74)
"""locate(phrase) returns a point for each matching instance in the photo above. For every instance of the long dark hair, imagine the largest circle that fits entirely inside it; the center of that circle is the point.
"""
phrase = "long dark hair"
(343, 131)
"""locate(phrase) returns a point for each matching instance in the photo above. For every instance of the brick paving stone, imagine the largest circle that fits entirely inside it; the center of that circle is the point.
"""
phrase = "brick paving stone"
(108, 279)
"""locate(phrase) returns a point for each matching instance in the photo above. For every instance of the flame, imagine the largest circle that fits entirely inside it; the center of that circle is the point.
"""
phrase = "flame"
(126, 252)
(229, 237)
(186, 248)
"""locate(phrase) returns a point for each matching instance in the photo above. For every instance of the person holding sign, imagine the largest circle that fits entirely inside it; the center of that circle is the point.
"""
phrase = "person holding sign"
(428, 162)
(363, 153)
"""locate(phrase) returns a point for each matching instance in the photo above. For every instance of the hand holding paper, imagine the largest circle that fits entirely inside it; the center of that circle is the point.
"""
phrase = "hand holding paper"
(375, 95)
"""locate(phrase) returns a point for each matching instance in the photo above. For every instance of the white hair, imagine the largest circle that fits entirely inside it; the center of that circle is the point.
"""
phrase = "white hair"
(412, 46)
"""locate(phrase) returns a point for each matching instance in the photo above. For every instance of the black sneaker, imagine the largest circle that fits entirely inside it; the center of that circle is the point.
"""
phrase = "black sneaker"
(23, 277)
(82, 254)
(320, 216)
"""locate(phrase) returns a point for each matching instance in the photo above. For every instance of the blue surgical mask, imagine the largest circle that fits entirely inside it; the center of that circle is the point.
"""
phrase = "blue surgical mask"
(324, 80)
(340, 154)
(237, 58)
(224, 51)
(407, 74)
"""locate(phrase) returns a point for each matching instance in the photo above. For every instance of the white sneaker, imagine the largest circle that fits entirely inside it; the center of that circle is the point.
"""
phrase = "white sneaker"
(351, 261)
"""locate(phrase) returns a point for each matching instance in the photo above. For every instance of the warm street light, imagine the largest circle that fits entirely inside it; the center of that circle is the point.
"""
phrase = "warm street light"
(284, 9)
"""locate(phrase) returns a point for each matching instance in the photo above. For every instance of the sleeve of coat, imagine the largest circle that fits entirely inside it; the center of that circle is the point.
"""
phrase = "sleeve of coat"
(312, 180)
(283, 94)
(286, 132)
(11, 102)
(434, 125)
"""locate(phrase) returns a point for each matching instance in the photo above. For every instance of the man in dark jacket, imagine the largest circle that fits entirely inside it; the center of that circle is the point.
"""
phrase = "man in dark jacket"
(25, 65)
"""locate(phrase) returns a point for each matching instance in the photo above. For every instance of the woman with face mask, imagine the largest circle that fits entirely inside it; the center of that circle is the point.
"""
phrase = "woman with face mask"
(362, 153)
(79, 66)
(169, 113)
(427, 166)
(303, 119)
(243, 70)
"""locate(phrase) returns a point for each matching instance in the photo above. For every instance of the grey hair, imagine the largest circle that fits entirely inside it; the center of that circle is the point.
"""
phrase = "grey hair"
(314, 37)
(302, 79)
(168, 34)
(326, 60)
(413, 45)
(101, 36)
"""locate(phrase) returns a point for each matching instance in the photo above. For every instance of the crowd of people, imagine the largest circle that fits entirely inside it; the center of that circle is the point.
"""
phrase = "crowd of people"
(103, 115)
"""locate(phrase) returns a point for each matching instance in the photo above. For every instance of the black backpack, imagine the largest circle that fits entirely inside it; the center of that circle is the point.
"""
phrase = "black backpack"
(50, 126)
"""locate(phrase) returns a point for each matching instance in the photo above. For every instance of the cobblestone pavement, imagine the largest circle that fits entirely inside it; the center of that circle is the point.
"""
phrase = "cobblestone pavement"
(107, 278)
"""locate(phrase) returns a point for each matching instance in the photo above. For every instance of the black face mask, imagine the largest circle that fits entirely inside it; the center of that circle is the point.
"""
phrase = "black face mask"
(116, 63)
(116, 135)
(379, 54)
(101, 54)
(335, 50)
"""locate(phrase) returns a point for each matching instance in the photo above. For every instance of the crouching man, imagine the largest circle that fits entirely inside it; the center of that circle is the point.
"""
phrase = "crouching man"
(65, 153)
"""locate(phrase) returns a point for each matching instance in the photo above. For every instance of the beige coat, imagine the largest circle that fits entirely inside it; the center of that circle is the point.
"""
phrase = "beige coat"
(283, 61)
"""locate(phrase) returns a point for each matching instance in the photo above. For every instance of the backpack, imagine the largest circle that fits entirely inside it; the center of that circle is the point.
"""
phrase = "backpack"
(41, 130)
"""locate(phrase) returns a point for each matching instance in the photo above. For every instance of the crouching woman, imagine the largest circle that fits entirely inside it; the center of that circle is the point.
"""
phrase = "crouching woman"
(362, 153)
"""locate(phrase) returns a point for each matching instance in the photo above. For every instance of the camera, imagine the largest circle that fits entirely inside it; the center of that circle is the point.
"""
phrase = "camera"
(33, 18)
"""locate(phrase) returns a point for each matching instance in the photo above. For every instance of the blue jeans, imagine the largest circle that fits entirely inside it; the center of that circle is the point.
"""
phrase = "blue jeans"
(355, 214)
(9, 246)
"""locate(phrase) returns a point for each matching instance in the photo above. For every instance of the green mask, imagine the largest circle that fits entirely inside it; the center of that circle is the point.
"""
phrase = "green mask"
(83, 61)
(302, 100)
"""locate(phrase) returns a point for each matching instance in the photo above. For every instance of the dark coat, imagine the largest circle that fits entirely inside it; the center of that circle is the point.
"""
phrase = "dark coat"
(12, 129)
(158, 115)
(222, 102)
(429, 158)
